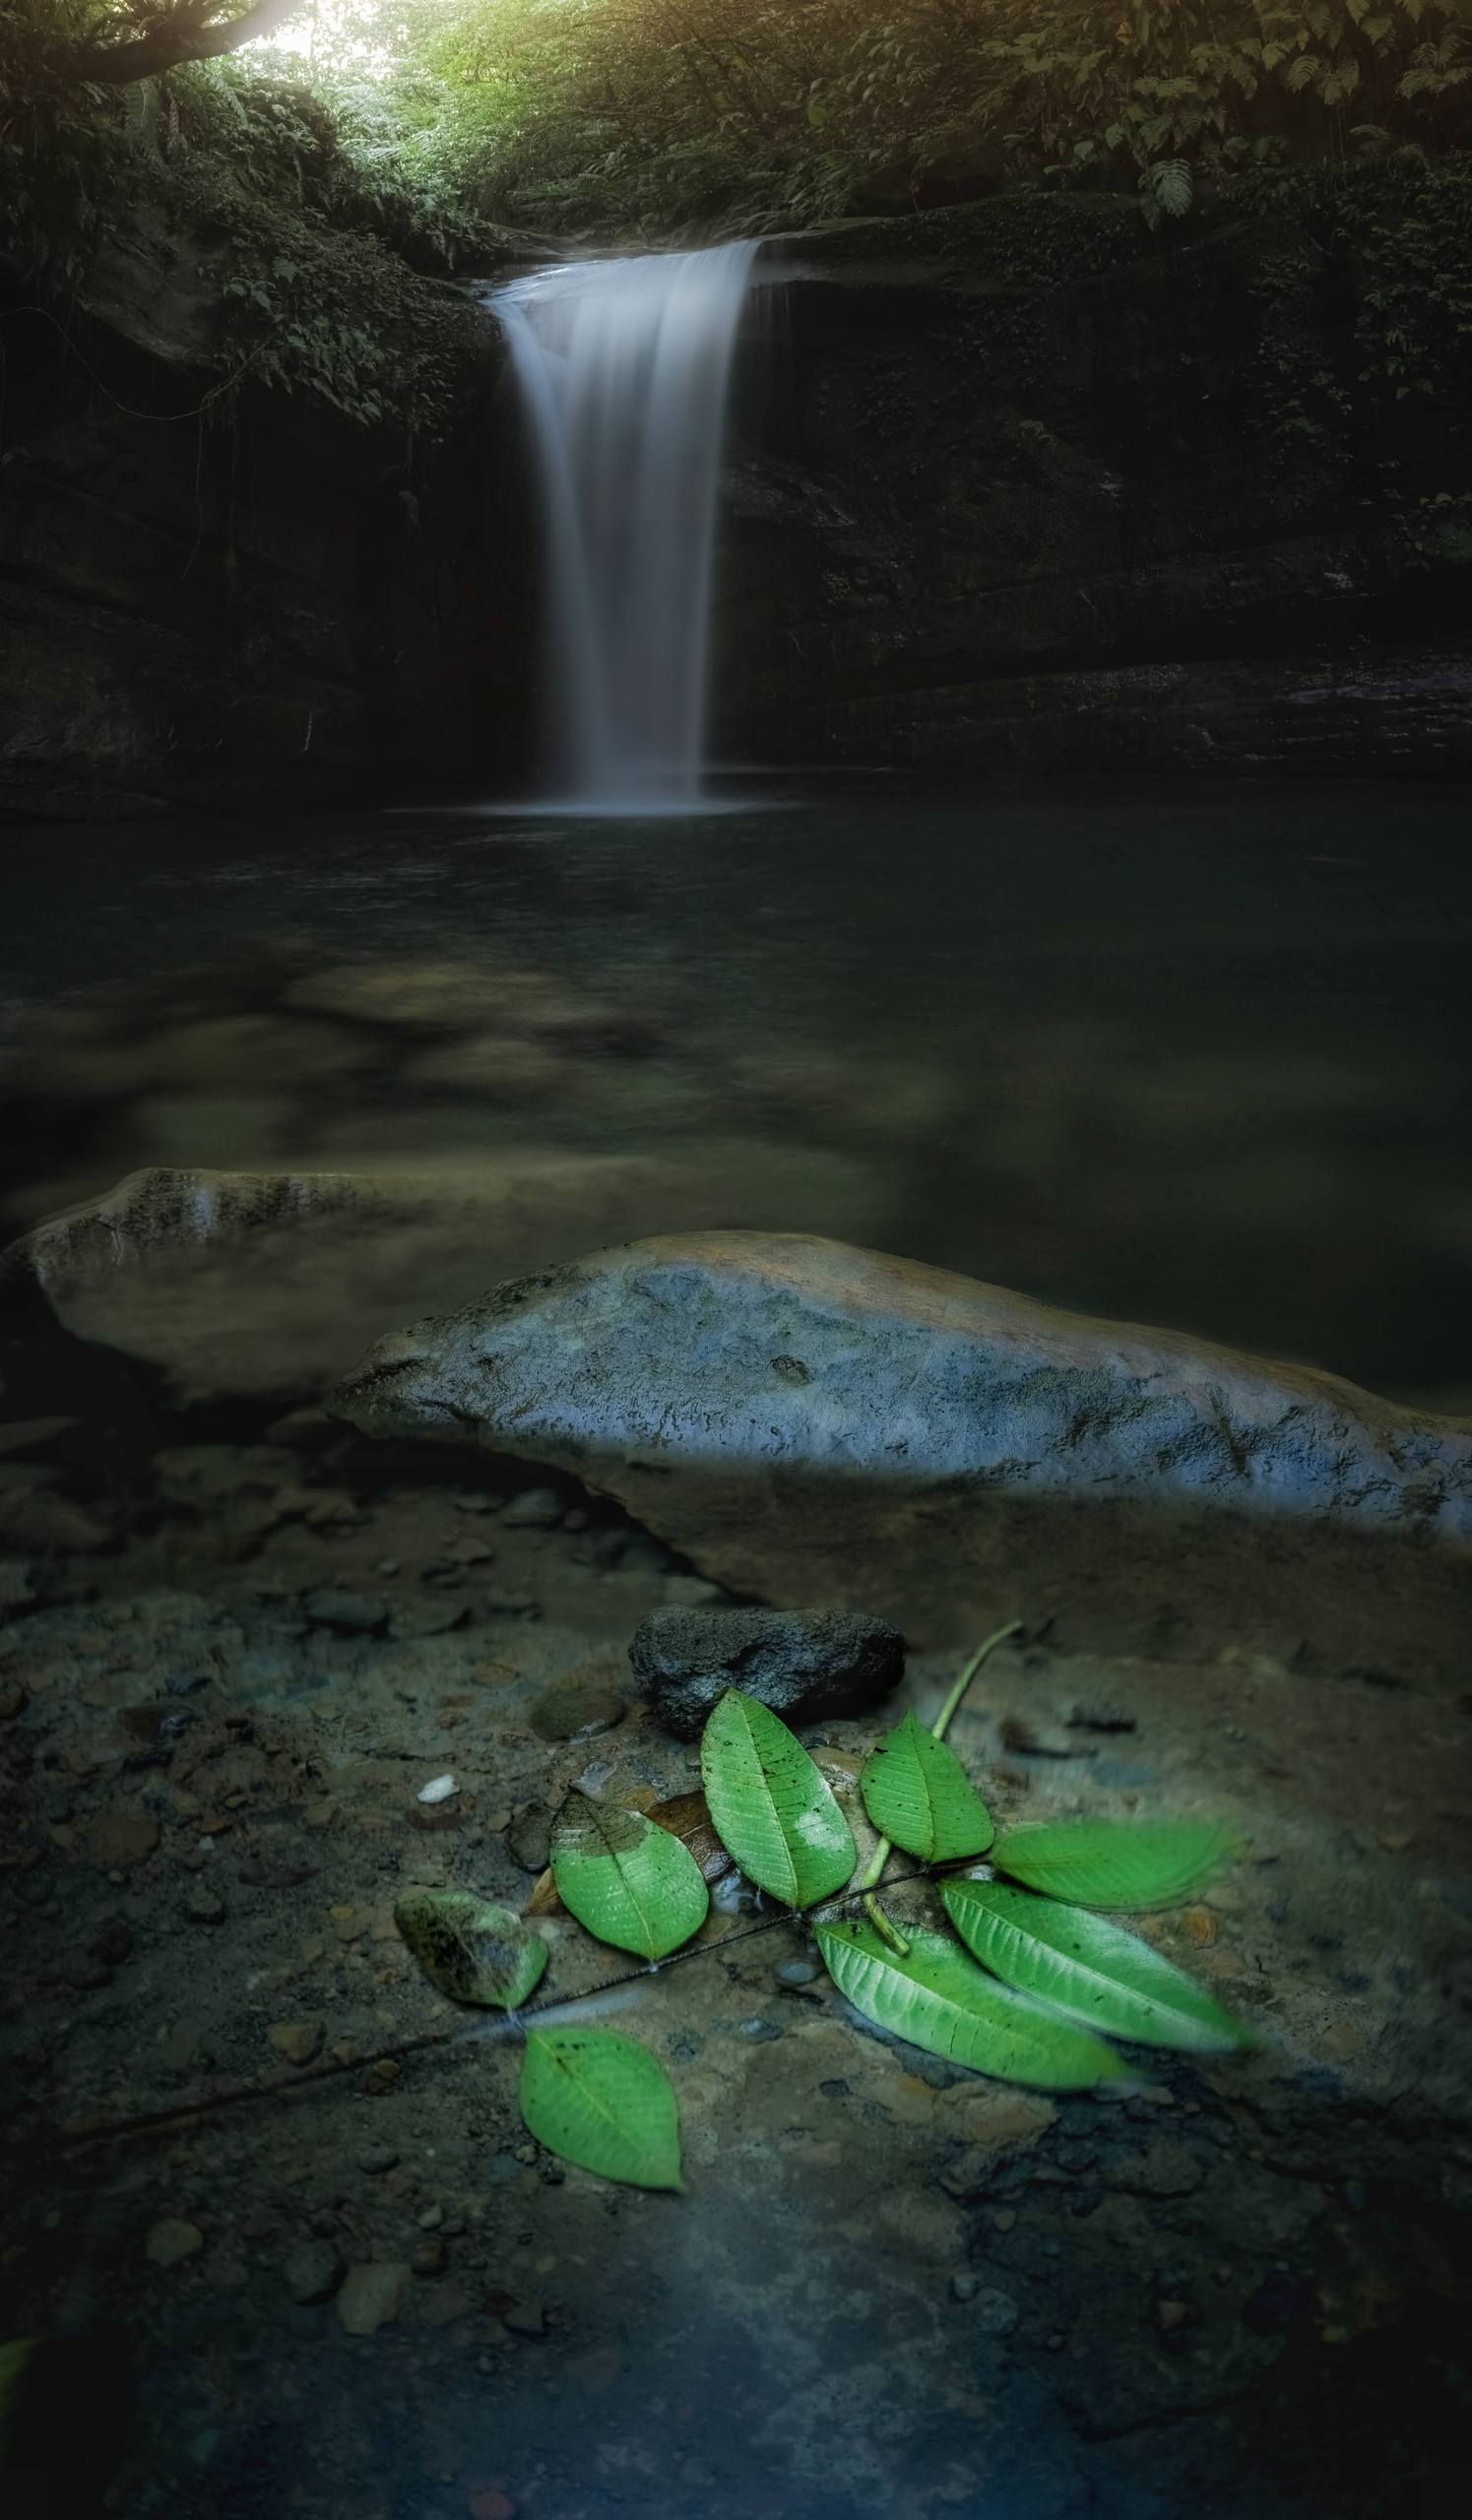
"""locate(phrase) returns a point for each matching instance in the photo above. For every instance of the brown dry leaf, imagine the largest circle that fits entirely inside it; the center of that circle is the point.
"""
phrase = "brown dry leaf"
(686, 1817)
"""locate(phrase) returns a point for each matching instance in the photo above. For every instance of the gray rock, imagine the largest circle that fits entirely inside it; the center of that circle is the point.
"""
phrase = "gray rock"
(800, 1418)
(204, 1905)
(314, 2272)
(530, 1836)
(1163, 2169)
(806, 1664)
(536, 1509)
(170, 2241)
(377, 2157)
(427, 1619)
(273, 1282)
(372, 2296)
(354, 1613)
(997, 2313)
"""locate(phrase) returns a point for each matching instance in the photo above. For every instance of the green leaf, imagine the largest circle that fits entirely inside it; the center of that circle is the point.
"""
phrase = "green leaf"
(1115, 1864)
(471, 1950)
(938, 1997)
(919, 1796)
(625, 1878)
(602, 2101)
(1079, 1961)
(771, 1811)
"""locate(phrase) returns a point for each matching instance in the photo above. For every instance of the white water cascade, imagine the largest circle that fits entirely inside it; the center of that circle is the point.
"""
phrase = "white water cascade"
(623, 369)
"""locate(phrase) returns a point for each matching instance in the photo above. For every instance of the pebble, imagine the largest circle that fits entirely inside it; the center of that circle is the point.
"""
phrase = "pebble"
(438, 1789)
(122, 1838)
(377, 2157)
(300, 2042)
(796, 1973)
(759, 2031)
(431, 2218)
(528, 1838)
(965, 2287)
(169, 2243)
(524, 2318)
(425, 1619)
(204, 1905)
(575, 1710)
(314, 2272)
(429, 2257)
(1163, 2169)
(996, 2312)
(373, 2296)
(354, 1613)
(967, 2174)
(536, 1509)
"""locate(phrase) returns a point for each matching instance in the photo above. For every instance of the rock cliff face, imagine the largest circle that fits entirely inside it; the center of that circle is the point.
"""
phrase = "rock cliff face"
(1023, 483)
(237, 596)
(1015, 484)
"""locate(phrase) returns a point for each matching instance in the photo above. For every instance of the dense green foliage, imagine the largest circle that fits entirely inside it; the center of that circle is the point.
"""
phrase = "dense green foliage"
(373, 143)
(314, 234)
(734, 115)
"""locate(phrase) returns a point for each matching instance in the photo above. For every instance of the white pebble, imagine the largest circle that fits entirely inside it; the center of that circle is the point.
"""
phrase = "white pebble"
(438, 1789)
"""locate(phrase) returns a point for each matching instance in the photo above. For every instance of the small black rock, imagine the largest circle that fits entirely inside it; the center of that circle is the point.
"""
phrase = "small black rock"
(805, 1665)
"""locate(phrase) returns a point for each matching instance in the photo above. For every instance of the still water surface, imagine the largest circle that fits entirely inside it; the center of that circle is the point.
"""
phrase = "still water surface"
(1182, 1054)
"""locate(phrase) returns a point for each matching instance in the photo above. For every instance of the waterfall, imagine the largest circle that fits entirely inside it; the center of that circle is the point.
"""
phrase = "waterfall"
(623, 367)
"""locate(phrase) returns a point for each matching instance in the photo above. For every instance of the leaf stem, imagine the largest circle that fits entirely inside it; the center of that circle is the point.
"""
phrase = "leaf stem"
(938, 1730)
(998, 1636)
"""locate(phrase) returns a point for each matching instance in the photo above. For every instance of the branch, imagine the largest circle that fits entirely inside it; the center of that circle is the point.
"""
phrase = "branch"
(170, 40)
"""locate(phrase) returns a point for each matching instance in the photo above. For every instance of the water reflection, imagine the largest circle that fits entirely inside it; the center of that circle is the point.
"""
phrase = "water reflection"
(1180, 1056)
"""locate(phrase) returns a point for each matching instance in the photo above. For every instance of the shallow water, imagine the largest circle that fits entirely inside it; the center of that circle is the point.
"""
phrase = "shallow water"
(1191, 1055)
(1188, 1055)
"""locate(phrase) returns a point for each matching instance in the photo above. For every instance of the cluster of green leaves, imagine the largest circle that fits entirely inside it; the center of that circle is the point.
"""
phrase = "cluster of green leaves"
(653, 117)
(320, 241)
(1024, 1981)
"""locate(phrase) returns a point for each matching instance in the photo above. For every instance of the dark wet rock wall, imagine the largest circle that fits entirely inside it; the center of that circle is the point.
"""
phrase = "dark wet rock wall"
(214, 591)
(1025, 483)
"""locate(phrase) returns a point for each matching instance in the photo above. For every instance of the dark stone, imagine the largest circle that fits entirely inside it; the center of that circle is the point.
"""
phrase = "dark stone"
(314, 2272)
(805, 1665)
(352, 1613)
(530, 1836)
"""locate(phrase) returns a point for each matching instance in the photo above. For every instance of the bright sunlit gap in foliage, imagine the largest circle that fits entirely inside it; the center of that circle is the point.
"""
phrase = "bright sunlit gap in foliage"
(622, 122)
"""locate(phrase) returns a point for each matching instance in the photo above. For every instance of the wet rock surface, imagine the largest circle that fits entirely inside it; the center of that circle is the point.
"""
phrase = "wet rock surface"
(806, 1664)
(258, 1283)
(799, 1417)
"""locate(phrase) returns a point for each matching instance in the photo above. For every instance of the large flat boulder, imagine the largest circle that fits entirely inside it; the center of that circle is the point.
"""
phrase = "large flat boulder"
(270, 1283)
(812, 1423)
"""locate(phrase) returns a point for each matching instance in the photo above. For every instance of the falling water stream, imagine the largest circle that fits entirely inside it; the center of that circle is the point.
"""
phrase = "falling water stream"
(623, 369)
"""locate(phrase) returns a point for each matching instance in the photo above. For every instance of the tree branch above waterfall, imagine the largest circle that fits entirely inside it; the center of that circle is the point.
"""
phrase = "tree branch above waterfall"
(142, 42)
